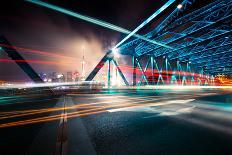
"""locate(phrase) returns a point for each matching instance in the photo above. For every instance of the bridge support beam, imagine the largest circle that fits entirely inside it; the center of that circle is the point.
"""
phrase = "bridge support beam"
(108, 57)
(142, 71)
(108, 75)
(98, 67)
(20, 61)
(120, 72)
(152, 70)
(134, 70)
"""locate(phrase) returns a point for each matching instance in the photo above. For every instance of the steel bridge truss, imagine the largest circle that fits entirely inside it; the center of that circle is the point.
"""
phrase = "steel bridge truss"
(162, 71)
(200, 38)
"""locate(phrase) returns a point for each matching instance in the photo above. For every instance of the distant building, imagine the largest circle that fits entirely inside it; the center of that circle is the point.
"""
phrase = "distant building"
(69, 77)
(54, 77)
(75, 76)
(60, 78)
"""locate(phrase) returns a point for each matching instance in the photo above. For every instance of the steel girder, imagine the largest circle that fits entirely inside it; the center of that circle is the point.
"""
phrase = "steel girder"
(165, 73)
(200, 36)
(19, 60)
(171, 17)
(196, 33)
(107, 58)
(182, 22)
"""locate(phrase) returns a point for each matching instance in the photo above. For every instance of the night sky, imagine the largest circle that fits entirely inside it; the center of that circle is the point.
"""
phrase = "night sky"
(60, 38)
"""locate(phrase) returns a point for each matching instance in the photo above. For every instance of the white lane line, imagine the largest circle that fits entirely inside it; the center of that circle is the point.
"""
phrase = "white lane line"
(140, 107)
(181, 101)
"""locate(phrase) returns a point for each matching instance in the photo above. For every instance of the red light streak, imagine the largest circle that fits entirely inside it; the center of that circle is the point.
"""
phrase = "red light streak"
(27, 50)
(37, 62)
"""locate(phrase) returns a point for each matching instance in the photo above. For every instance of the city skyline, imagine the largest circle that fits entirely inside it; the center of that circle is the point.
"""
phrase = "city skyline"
(56, 41)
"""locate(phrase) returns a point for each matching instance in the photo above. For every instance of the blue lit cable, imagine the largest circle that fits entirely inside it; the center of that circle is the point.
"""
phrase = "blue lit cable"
(106, 24)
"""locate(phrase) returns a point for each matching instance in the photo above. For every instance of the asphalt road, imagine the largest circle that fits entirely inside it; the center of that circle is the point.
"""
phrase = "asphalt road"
(118, 122)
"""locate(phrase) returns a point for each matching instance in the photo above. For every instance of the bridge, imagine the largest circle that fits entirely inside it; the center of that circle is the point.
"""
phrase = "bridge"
(189, 45)
(175, 98)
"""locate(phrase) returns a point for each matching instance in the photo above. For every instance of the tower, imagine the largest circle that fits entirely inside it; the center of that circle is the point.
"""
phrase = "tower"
(83, 65)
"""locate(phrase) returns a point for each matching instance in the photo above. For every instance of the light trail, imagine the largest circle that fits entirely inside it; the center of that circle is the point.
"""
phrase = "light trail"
(39, 85)
(94, 110)
(34, 112)
(178, 87)
(27, 50)
(41, 62)
(183, 87)
(81, 106)
(204, 123)
(106, 24)
(31, 61)
(47, 119)
(79, 16)
(150, 105)
(129, 69)
(69, 115)
(119, 107)
(155, 14)
(98, 109)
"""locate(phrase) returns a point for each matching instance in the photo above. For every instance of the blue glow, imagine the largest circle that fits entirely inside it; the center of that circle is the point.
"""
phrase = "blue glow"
(77, 15)
(155, 14)
(103, 23)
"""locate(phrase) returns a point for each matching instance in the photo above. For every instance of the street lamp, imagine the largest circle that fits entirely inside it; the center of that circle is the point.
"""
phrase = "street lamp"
(179, 6)
(115, 52)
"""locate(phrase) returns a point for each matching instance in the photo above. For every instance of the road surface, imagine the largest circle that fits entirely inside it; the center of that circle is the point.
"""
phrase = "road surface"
(118, 122)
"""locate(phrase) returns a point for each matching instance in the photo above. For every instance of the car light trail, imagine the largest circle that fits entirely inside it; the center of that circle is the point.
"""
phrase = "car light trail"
(37, 62)
(86, 112)
(174, 86)
(119, 107)
(91, 106)
(69, 115)
(26, 50)
(106, 24)
(47, 119)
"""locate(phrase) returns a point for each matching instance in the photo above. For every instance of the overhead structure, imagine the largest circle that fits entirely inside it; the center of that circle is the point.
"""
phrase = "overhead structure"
(199, 36)
(190, 44)
(133, 33)
(106, 24)
(19, 60)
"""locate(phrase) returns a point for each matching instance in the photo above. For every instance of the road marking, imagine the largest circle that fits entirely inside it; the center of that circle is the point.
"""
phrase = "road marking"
(62, 135)
(138, 107)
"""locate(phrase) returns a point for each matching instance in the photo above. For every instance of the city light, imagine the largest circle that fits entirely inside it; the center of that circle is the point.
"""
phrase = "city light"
(164, 87)
(179, 6)
(115, 52)
(60, 76)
